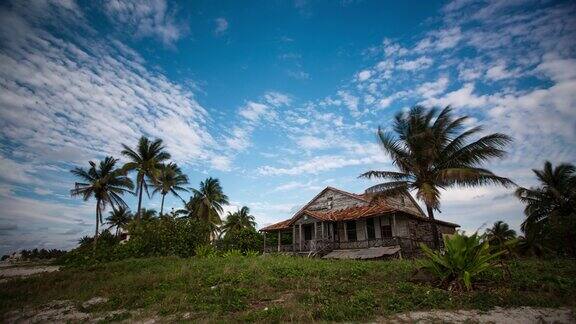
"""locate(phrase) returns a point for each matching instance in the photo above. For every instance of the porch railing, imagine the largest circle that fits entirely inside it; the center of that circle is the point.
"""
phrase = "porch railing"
(407, 244)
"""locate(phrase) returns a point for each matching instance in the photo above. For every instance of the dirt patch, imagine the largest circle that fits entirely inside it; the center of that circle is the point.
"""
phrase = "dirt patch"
(65, 311)
(519, 315)
(19, 272)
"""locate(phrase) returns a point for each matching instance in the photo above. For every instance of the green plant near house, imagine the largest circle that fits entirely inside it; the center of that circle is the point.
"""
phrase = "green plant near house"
(462, 260)
(232, 253)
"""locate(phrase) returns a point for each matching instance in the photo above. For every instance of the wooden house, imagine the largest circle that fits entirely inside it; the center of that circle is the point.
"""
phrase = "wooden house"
(340, 224)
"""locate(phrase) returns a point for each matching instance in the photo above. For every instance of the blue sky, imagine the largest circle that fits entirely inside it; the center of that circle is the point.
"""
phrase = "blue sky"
(277, 99)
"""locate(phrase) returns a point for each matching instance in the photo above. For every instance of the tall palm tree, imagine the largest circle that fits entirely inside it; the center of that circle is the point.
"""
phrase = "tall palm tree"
(145, 160)
(105, 183)
(238, 220)
(169, 179)
(119, 217)
(552, 205)
(499, 234)
(206, 204)
(432, 150)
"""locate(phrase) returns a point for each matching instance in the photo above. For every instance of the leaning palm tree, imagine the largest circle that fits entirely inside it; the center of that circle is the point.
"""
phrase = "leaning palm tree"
(169, 179)
(499, 234)
(433, 151)
(238, 220)
(551, 207)
(145, 160)
(207, 204)
(119, 218)
(103, 182)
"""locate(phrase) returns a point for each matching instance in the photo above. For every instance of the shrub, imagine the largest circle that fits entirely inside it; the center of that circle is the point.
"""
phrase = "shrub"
(232, 253)
(251, 253)
(463, 259)
(205, 251)
(247, 239)
(156, 237)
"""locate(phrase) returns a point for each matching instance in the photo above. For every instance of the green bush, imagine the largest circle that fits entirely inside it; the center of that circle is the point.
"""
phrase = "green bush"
(463, 259)
(232, 253)
(205, 251)
(156, 237)
(247, 239)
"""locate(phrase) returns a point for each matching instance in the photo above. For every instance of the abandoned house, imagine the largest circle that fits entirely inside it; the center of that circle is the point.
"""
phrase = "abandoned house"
(342, 225)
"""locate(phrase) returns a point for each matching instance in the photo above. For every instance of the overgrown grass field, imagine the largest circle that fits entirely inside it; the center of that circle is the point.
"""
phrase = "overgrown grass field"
(280, 288)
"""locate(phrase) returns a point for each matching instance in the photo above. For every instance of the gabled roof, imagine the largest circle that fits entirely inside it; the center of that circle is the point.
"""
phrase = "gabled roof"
(371, 208)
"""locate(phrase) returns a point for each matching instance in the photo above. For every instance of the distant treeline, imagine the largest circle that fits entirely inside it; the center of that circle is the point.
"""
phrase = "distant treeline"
(38, 254)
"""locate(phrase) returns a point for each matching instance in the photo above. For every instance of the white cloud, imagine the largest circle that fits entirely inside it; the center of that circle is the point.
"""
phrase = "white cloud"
(318, 164)
(499, 72)
(364, 75)
(254, 111)
(420, 63)
(350, 101)
(433, 88)
(461, 98)
(384, 102)
(221, 26)
(146, 18)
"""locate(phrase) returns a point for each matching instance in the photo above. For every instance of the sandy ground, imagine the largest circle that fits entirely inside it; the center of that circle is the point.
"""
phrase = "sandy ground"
(67, 311)
(519, 315)
(9, 271)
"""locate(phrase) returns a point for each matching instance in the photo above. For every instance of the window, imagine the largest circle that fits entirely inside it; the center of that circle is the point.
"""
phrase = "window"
(386, 231)
(330, 202)
(351, 231)
(308, 232)
(370, 228)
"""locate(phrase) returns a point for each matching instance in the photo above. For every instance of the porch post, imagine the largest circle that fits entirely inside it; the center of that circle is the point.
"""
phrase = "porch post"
(279, 239)
(300, 236)
(394, 230)
(315, 231)
(293, 238)
(322, 230)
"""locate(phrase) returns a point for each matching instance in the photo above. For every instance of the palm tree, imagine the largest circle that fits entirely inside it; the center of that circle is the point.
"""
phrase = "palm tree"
(433, 151)
(206, 204)
(552, 205)
(145, 160)
(119, 217)
(499, 234)
(147, 214)
(169, 179)
(103, 182)
(238, 220)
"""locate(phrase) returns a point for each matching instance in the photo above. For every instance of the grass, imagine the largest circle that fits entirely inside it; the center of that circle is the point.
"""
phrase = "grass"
(278, 288)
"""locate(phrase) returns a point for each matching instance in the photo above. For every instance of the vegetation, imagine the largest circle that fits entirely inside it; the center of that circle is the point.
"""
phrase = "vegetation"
(243, 240)
(279, 289)
(162, 236)
(170, 179)
(38, 254)
(238, 220)
(119, 218)
(146, 160)
(463, 259)
(207, 204)
(551, 209)
(433, 151)
(104, 183)
(500, 236)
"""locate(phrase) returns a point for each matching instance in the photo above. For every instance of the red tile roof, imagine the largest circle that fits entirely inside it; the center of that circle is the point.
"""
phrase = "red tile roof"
(278, 226)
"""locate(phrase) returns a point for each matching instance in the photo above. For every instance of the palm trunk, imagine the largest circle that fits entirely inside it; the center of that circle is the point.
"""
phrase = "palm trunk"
(141, 185)
(97, 223)
(162, 205)
(435, 235)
